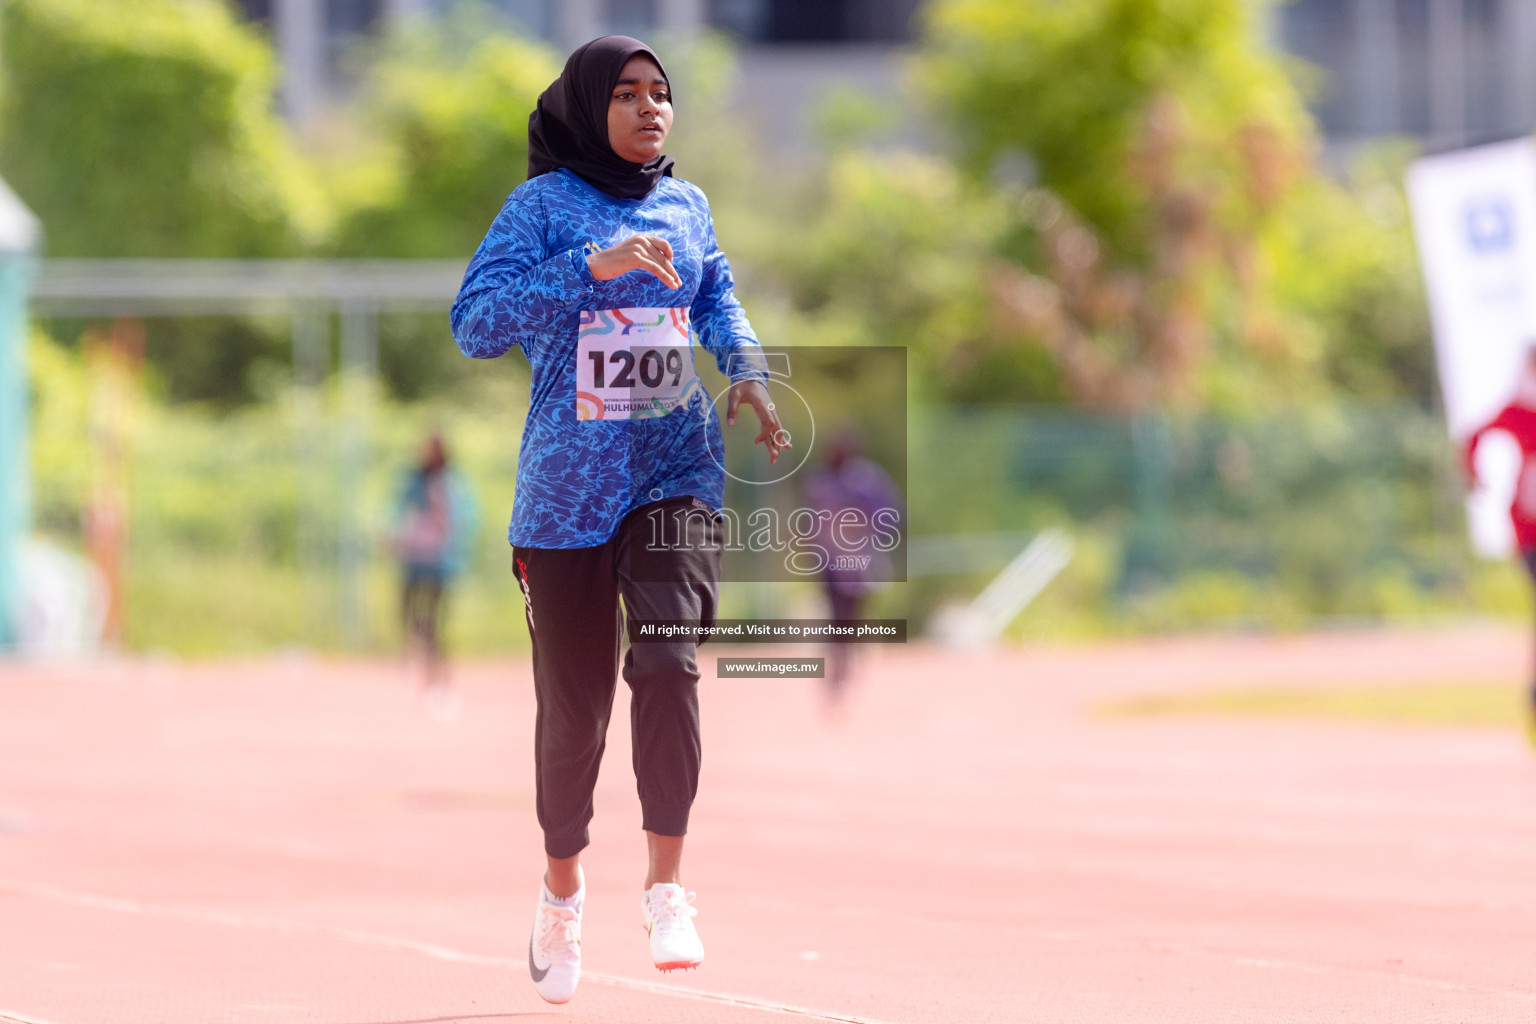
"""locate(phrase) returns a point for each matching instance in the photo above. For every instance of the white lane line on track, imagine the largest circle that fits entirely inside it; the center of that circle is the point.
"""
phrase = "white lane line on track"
(723, 999)
(373, 940)
(12, 1017)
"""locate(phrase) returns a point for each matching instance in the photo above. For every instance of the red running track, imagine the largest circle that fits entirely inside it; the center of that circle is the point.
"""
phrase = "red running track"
(296, 841)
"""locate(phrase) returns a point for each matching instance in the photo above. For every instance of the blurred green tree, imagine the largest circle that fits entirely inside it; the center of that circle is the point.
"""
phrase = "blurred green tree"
(1160, 136)
(444, 104)
(145, 128)
(449, 102)
(895, 249)
(1344, 262)
(1115, 102)
(1166, 249)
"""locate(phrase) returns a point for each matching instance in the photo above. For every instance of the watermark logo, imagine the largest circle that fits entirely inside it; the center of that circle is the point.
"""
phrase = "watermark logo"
(850, 542)
(773, 370)
(833, 506)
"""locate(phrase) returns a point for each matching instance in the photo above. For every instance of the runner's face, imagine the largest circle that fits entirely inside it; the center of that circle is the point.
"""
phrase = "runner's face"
(639, 112)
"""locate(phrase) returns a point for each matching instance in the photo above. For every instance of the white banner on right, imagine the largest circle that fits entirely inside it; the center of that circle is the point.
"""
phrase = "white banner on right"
(1474, 219)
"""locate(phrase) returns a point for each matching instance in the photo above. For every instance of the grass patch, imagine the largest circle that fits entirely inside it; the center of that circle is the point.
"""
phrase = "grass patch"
(1452, 703)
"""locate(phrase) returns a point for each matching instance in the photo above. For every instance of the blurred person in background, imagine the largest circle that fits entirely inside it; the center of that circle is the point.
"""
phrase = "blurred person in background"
(850, 482)
(602, 235)
(1518, 420)
(434, 523)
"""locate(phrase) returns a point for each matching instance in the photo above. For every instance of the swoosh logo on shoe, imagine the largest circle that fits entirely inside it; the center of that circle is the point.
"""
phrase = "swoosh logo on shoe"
(538, 975)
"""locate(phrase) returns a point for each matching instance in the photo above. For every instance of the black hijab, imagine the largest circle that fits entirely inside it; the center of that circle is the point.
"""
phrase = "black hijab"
(569, 126)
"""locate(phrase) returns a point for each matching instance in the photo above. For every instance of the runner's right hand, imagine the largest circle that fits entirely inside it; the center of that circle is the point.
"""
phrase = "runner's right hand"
(650, 253)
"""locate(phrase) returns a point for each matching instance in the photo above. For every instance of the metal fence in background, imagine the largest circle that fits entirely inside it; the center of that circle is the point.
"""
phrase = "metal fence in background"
(333, 307)
(1322, 504)
(262, 527)
(1323, 510)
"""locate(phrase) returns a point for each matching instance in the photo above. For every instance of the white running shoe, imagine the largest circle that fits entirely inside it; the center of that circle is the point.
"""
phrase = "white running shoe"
(554, 949)
(669, 920)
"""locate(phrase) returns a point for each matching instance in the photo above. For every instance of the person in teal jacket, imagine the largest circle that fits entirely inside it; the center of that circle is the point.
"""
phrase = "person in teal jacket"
(434, 529)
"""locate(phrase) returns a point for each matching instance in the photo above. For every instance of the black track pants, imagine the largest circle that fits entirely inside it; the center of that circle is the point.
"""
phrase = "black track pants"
(572, 597)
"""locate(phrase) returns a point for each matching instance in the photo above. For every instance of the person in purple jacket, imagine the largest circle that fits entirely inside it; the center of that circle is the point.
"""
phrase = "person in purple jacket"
(860, 509)
(601, 268)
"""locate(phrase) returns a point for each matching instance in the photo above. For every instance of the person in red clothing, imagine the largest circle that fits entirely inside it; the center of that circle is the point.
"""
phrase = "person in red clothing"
(1518, 420)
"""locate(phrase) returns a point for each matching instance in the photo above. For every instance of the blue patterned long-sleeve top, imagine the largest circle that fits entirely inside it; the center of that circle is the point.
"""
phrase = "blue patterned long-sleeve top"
(590, 456)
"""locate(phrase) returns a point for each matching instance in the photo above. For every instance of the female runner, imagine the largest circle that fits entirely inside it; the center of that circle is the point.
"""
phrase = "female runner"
(599, 268)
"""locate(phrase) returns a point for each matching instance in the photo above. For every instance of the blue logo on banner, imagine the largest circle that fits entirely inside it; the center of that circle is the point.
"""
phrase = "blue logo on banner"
(1490, 224)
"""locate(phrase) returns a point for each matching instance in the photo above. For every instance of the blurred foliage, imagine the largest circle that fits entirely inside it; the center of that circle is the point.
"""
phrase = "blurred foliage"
(216, 561)
(898, 255)
(1176, 243)
(1132, 303)
(1134, 218)
(145, 128)
(1285, 522)
(449, 100)
(1086, 89)
(61, 467)
(1342, 261)
(444, 106)
(228, 361)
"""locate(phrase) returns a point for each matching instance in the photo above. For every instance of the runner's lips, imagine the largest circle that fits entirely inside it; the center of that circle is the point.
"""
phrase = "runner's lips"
(651, 126)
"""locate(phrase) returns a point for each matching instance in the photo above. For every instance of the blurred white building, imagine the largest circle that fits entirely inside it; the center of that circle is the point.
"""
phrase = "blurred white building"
(801, 46)
(1446, 71)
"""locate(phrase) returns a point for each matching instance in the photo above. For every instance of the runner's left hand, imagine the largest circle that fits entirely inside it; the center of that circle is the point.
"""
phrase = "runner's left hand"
(755, 394)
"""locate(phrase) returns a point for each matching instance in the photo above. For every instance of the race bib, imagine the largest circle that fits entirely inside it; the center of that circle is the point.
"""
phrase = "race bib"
(633, 364)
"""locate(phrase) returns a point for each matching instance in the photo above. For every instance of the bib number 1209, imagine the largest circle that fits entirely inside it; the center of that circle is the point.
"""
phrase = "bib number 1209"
(633, 363)
(654, 368)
